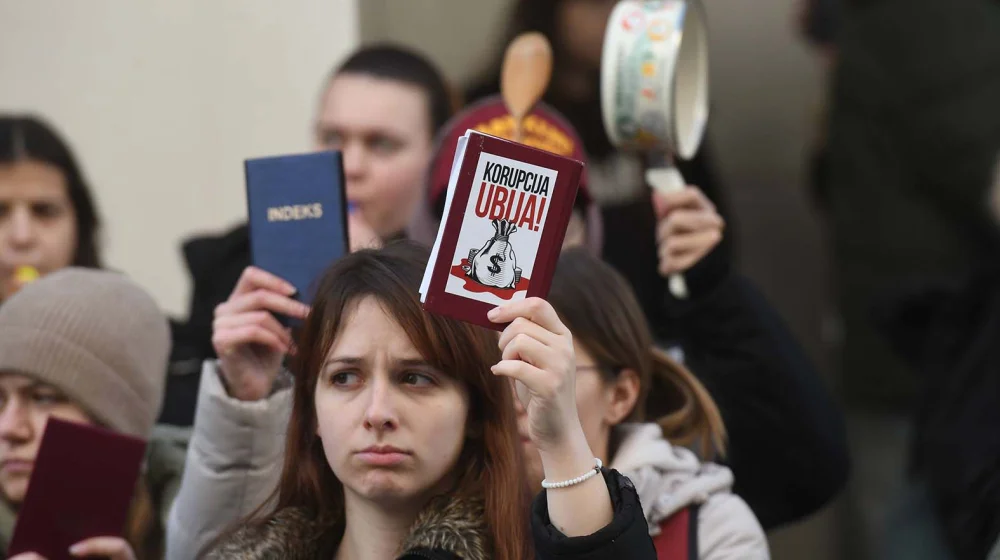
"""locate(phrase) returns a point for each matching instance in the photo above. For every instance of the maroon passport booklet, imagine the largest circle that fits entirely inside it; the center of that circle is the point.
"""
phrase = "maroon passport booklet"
(81, 487)
(505, 217)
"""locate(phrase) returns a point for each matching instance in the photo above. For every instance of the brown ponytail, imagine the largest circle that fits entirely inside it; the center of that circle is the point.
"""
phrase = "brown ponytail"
(681, 405)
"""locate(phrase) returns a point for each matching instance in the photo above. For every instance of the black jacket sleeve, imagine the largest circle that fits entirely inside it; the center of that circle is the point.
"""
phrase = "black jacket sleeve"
(787, 444)
(215, 263)
(627, 536)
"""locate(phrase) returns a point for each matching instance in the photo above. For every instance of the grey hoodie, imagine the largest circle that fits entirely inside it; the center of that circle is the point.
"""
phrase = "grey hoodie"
(670, 478)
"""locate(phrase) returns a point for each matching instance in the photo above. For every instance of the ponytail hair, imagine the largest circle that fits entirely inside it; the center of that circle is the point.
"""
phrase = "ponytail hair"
(599, 307)
(682, 407)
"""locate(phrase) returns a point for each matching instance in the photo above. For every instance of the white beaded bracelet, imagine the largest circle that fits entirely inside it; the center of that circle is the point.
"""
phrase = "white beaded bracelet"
(574, 481)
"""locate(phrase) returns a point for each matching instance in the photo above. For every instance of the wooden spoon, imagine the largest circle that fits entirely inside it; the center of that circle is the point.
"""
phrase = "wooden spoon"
(527, 68)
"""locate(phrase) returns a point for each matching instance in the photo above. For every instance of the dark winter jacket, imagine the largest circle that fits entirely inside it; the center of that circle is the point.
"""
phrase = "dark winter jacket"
(787, 444)
(215, 263)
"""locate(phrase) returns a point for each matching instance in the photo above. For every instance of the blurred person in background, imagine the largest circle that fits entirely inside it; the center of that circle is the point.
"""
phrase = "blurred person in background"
(91, 347)
(913, 114)
(819, 22)
(381, 107)
(48, 219)
(575, 29)
(948, 333)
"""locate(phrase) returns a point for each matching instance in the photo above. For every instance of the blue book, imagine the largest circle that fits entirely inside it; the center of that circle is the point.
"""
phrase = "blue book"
(298, 226)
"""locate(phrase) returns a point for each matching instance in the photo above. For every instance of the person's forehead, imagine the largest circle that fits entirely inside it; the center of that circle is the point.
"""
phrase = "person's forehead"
(38, 177)
(368, 104)
(17, 380)
(367, 327)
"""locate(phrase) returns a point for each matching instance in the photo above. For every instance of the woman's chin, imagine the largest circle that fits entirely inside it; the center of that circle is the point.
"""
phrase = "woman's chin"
(386, 486)
(14, 489)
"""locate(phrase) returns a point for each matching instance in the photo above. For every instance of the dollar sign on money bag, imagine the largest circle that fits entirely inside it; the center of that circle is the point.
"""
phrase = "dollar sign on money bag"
(494, 268)
(494, 264)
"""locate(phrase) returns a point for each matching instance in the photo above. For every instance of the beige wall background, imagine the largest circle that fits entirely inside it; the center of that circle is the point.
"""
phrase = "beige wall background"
(766, 89)
(162, 101)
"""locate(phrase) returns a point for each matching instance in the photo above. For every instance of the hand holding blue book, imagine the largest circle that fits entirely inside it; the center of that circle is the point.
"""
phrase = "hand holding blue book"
(298, 226)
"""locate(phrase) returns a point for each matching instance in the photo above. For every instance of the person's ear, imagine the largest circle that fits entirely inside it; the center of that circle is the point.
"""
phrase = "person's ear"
(623, 394)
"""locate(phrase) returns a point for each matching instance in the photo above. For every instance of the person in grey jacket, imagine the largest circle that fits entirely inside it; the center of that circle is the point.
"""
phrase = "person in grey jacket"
(244, 402)
(233, 462)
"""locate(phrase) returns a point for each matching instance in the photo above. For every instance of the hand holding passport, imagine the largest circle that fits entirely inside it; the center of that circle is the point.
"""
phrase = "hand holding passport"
(250, 341)
(81, 487)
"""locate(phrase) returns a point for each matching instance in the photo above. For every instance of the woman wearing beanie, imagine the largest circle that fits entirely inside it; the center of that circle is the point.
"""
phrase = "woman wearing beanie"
(86, 346)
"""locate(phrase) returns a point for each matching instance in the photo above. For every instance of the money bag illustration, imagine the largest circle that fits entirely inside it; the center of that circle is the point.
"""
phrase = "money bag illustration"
(494, 264)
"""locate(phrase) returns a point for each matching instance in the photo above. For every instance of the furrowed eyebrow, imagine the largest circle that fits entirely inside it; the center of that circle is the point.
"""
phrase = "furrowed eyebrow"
(356, 361)
(414, 363)
(341, 361)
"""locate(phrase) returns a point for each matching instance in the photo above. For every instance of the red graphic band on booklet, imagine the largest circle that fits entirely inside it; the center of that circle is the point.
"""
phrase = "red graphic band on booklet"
(458, 271)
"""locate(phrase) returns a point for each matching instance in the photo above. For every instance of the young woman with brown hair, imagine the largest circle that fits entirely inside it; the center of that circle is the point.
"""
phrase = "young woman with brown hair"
(623, 381)
(403, 441)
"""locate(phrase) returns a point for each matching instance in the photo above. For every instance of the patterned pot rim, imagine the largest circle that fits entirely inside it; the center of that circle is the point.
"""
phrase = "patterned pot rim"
(654, 76)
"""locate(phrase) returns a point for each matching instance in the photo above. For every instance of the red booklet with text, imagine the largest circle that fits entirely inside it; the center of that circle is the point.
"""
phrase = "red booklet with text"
(505, 216)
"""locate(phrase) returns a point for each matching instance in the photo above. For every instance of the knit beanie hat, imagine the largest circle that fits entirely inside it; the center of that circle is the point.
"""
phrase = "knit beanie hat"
(97, 337)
